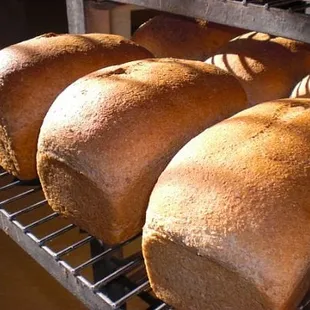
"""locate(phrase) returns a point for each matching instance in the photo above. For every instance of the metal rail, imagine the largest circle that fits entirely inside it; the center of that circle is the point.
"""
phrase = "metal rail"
(112, 287)
(285, 18)
(96, 294)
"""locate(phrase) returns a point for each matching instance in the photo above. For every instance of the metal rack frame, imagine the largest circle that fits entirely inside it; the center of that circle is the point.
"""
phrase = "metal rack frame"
(110, 269)
(277, 17)
(112, 287)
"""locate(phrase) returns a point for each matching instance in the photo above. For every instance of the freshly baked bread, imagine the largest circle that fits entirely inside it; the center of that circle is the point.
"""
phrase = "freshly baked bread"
(267, 67)
(34, 72)
(107, 137)
(227, 226)
(180, 37)
(302, 89)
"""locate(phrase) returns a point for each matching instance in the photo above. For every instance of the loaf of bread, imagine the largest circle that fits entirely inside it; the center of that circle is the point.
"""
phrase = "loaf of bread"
(180, 37)
(227, 226)
(302, 89)
(34, 72)
(107, 137)
(267, 67)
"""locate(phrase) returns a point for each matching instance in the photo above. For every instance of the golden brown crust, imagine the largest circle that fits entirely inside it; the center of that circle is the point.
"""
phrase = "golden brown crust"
(237, 195)
(302, 89)
(34, 72)
(125, 124)
(179, 37)
(202, 276)
(267, 67)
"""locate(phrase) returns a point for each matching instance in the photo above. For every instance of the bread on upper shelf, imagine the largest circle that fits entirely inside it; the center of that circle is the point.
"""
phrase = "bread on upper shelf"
(302, 89)
(34, 72)
(268, 67)
(180, 37)
(108, 136)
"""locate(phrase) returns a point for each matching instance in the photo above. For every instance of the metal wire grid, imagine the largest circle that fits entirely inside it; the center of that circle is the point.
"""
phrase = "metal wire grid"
(114, 279)
(112, 273)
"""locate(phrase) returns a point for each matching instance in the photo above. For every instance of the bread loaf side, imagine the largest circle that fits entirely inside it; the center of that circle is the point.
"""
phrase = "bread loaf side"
(107, 137)
(33, 73)
(227, 226)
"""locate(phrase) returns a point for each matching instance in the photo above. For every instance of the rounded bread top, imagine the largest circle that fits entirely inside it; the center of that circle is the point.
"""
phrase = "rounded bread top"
(136, 110)
(34, 72)
(48, 63)
(238, 193)
(49, 46)
(268, 67)
(180, 37)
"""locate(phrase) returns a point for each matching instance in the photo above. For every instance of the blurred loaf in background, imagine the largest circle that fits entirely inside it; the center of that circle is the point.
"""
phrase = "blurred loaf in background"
(268, 67)
(181, 37)
(302, 89)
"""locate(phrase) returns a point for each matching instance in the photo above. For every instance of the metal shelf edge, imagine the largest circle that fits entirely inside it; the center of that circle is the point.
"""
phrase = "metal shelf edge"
(68, 280)
(251, 16)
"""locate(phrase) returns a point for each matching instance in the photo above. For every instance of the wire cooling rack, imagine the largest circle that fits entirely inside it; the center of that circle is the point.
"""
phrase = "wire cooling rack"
(102, 277)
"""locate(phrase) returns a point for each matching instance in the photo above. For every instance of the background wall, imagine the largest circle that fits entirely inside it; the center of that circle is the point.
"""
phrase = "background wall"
(24, 19)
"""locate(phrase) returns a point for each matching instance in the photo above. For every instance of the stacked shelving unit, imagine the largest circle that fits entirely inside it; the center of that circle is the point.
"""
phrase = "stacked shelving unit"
(114, 277)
